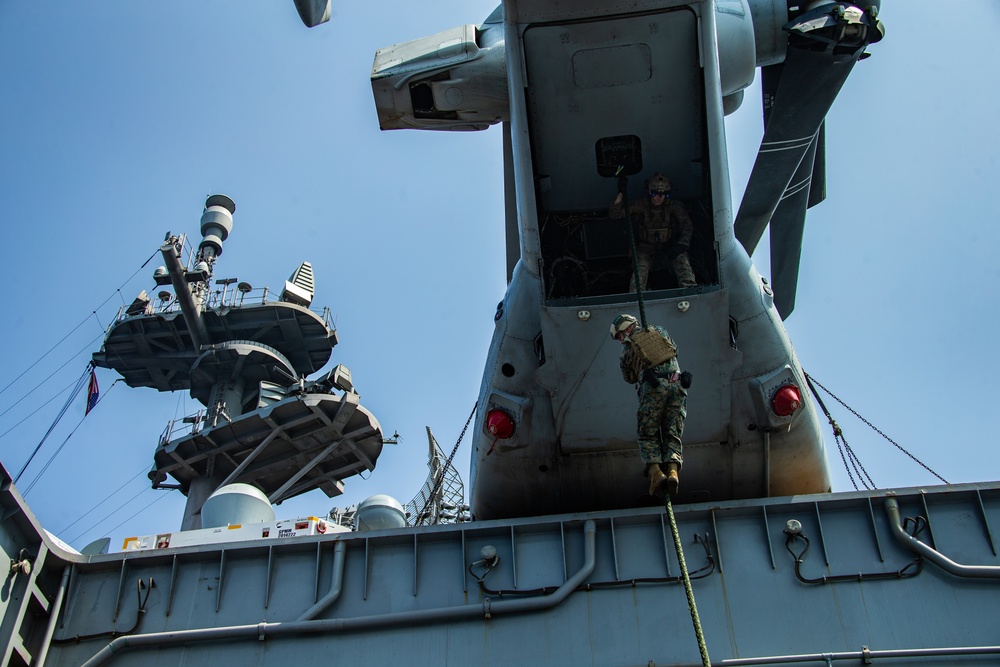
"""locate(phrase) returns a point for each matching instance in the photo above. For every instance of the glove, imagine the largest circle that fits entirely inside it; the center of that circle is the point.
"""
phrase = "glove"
(686, 378)
(649, 377)
(622, 183)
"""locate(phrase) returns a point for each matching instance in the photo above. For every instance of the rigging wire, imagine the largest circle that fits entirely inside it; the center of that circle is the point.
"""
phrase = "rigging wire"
(93, 313)
(140, 511)
(39, 408)
(843, 446)
(106, 499)
(76, 390)
(39, 385)
(51, 350)
(52, 458)
(839, 434)
(110, 514)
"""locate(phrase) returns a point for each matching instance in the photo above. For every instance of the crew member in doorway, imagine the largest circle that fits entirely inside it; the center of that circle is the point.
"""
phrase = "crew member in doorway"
(649, 358)
(664, 233)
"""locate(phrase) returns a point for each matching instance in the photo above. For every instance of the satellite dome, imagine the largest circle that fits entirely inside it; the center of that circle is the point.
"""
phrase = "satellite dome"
(236, 504)
(380, 512)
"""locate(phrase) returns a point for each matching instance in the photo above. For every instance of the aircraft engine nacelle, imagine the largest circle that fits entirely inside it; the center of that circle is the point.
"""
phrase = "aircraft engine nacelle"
(762, 41)
(454, 80)
(735, 23)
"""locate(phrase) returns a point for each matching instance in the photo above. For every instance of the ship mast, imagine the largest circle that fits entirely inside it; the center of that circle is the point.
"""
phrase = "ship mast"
(245, 356)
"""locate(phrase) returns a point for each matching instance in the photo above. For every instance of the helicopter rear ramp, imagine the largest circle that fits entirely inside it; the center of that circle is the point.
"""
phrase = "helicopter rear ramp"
(794, 580)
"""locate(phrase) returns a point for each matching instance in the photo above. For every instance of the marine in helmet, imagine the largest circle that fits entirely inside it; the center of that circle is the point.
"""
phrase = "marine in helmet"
(649, 358)
(664, 232)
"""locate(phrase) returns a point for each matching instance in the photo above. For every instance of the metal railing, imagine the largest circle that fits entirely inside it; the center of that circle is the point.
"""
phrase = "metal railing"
(223, 296)
(181, 428)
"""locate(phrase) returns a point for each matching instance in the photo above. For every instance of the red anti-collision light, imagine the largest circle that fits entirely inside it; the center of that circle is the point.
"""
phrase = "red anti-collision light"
(786, 400)
(500, 424)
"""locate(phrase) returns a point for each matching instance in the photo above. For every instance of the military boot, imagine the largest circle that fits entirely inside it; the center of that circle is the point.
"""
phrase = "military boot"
(673, 479)
(657, 480)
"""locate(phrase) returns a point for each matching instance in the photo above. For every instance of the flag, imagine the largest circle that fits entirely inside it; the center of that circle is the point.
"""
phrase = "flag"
(93, 393)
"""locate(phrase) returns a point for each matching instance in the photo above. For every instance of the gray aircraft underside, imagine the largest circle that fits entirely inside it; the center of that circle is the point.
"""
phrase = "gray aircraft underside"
(576, 87)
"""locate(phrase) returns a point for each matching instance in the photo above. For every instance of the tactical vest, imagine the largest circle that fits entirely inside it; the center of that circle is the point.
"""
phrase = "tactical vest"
(650, 348)
(656, 227)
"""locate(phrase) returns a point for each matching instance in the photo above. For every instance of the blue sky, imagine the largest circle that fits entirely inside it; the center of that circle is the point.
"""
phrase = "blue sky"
(118, 118)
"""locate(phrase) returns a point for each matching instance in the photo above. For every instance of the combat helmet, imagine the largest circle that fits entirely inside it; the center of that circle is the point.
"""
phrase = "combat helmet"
(621, 323)
(659, 183)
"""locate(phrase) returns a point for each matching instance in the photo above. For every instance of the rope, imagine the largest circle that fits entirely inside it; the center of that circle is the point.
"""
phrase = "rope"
(837, 432)
(688, 590)
(631, 240)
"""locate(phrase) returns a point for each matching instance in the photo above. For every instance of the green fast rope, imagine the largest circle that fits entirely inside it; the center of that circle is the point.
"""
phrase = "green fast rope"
(635, 258)
(688, 590)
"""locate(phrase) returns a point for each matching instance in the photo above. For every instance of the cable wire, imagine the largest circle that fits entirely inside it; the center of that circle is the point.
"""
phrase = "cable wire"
(76, 390)
(39, 408)
(52, 458)
(837, 431)
(51, 375)
(106, 499)
(148, 505)
(109, 515)
(93, 313)
(51, 350)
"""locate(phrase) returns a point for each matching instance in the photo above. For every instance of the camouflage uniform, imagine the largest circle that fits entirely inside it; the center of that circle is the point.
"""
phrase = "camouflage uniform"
(664, 234)
(661, 406)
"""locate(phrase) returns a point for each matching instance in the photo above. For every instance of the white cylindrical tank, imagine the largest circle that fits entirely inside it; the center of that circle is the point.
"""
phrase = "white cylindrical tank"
(380, 512)
(236, 504)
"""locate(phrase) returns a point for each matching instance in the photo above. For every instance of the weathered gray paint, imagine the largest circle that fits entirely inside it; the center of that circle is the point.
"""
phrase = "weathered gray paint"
(574, 416)
(407, 596)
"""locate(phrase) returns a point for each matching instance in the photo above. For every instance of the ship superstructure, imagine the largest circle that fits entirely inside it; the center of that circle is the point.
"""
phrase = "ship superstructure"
(245, 354)
(905, 577)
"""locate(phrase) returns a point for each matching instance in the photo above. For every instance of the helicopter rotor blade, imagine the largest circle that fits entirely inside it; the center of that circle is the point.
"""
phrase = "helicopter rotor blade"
(824, 44)
(787, 228)
(313, 12)
(817, 186)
